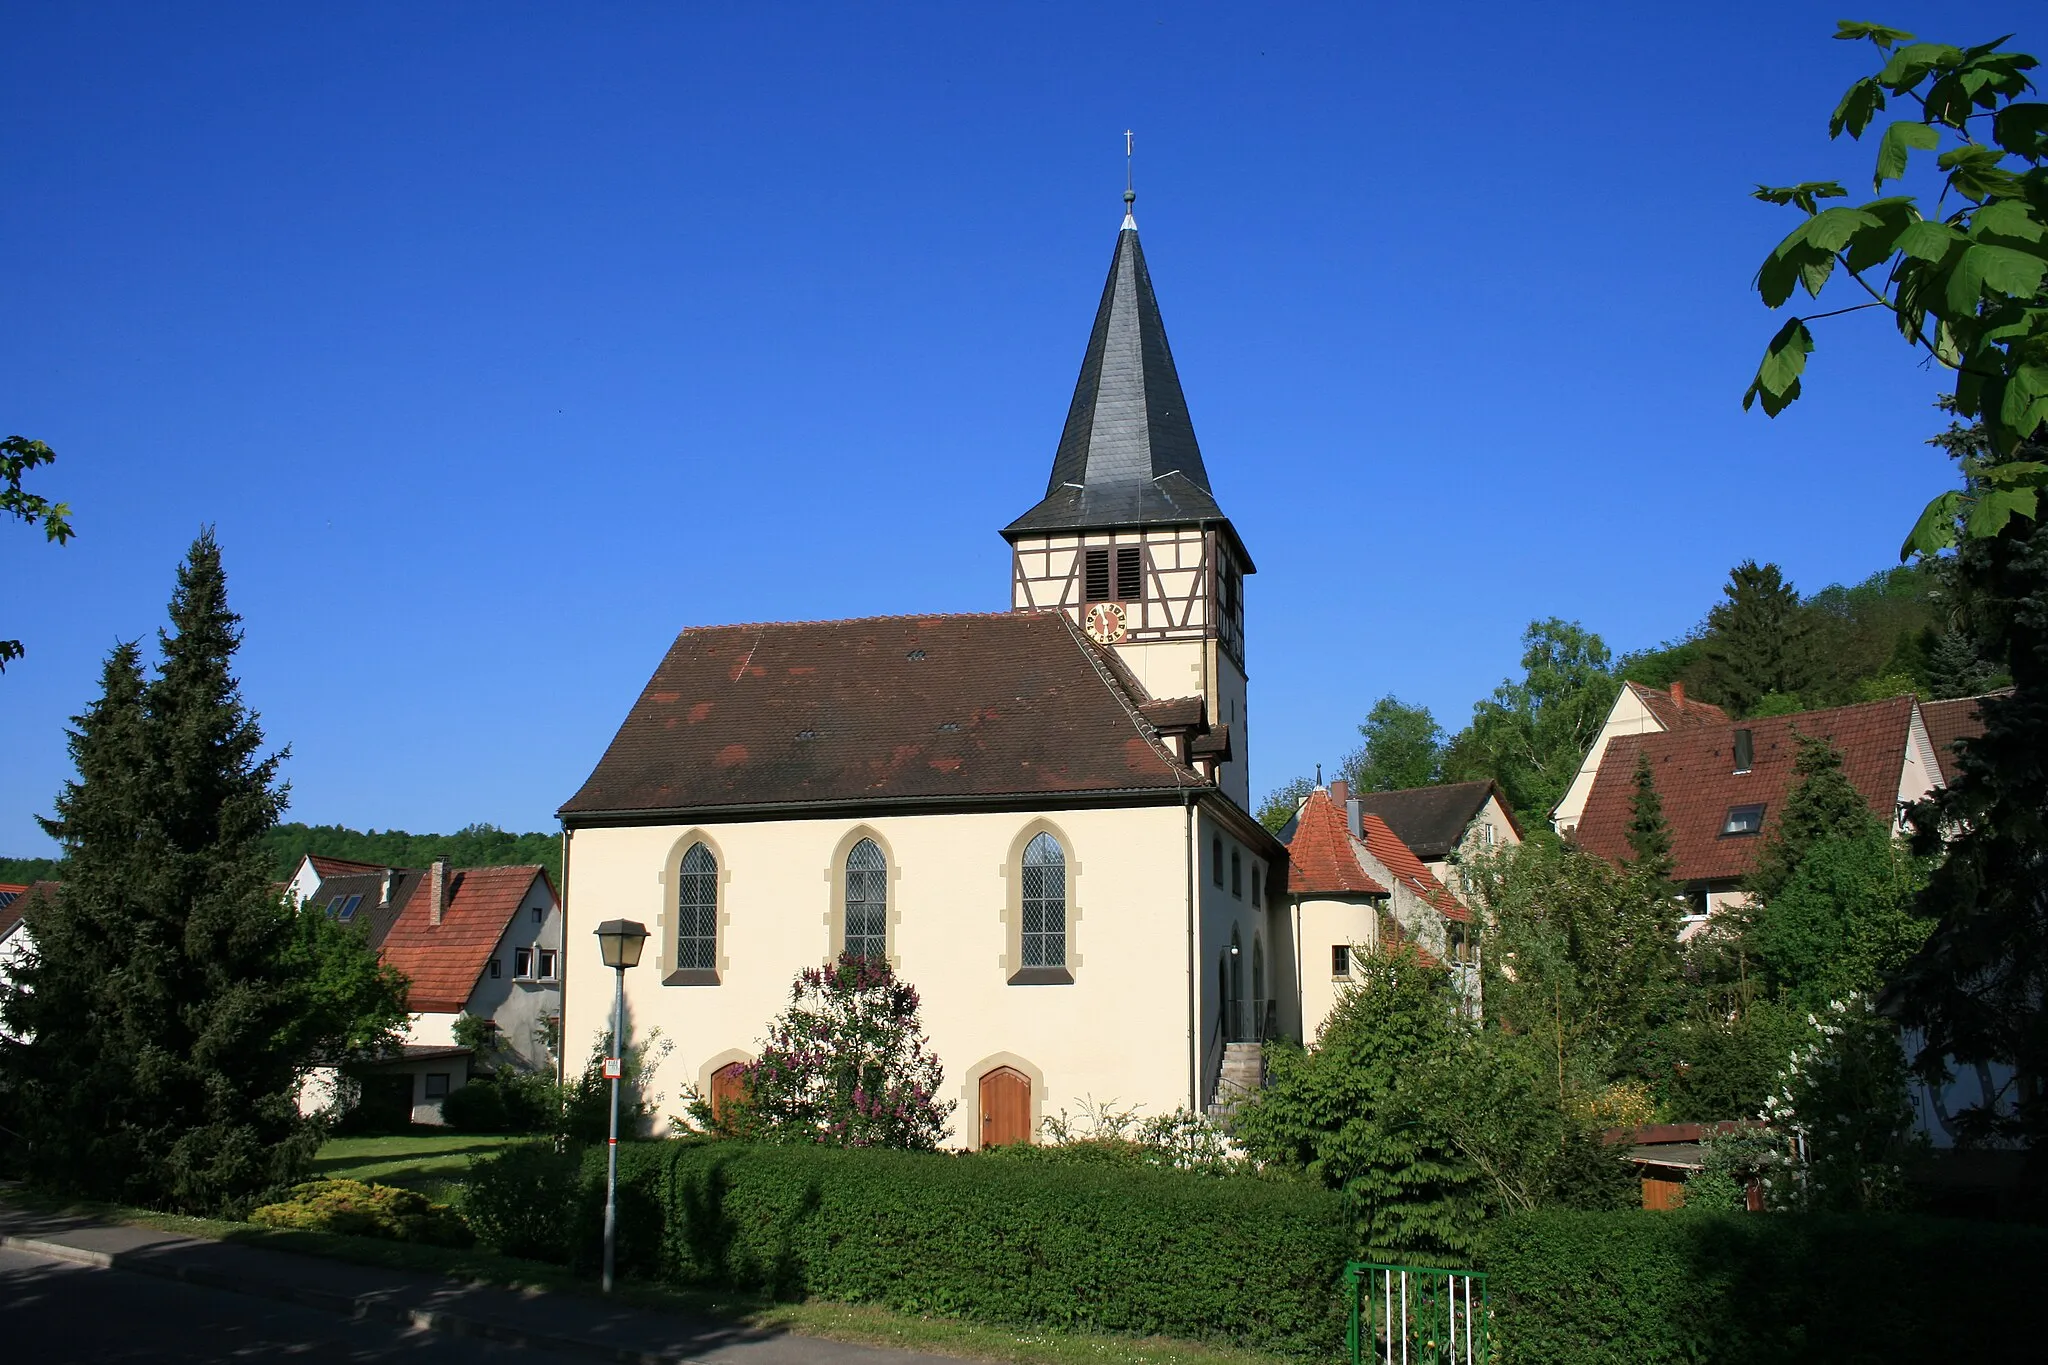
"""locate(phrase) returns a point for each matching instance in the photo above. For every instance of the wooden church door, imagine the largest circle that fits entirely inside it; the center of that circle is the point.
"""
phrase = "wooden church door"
(1005, 1107)
(728, 1083)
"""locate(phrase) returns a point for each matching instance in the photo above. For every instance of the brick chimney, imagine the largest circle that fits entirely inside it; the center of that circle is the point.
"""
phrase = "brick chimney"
(1340, 791)
(437, 890)
(1678, 694)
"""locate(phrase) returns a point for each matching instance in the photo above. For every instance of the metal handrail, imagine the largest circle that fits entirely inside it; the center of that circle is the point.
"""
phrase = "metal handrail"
(1416, 1315)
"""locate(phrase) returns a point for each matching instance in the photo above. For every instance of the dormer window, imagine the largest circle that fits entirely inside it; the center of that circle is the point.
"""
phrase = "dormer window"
(1743, 820)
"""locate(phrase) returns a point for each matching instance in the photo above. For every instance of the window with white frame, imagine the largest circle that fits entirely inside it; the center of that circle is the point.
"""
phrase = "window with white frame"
(522, 964)
(545, 966)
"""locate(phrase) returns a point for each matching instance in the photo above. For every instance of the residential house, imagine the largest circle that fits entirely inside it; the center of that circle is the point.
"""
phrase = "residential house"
(1354, 886)
(1637, 710)
(480, 941)
(1447, 825)
(1723, 786)
(1037, 816)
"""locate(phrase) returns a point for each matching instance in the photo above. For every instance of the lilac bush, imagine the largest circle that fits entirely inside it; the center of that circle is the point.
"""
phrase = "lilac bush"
(846, 1065)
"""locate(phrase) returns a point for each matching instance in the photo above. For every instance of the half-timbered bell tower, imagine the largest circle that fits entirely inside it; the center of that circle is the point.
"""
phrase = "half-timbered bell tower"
(1128, 540)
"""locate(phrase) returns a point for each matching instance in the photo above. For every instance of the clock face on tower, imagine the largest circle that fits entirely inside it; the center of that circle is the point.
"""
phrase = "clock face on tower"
(1105, 623)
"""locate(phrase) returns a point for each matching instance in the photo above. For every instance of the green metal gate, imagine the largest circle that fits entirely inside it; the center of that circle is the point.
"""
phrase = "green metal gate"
(1415, 1315)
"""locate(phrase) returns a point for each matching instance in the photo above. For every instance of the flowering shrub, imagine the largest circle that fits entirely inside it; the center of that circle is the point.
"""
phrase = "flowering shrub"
(1181, 1140)
(846, 1065)
(1844, 1100)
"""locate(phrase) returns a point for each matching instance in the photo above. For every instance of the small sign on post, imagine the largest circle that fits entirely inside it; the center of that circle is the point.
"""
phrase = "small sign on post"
(612, 1070)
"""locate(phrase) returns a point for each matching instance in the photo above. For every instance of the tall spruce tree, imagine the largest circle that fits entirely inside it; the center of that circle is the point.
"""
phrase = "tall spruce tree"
(174, 1001)
(1955, 667)
(1756, 642)
(1822, 805)
(1649, 837)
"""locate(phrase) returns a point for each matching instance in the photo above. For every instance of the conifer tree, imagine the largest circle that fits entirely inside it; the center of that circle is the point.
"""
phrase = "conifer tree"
(1649, 838)
(1955, 668)
(1757, 641)
(174, 1001)
(1822, 805)
(1979, 991)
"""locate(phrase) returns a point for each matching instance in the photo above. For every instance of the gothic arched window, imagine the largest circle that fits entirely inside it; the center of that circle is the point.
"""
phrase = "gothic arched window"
(697, 911)
(1045, 903)
(867, 901)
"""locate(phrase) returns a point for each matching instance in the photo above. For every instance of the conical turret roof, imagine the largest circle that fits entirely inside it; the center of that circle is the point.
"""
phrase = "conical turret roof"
(1128, 455)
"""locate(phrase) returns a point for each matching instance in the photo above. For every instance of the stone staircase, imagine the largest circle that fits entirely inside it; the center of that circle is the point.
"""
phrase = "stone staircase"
(1243, 1074)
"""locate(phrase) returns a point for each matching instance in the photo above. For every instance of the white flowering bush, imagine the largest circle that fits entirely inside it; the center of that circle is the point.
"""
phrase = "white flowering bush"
(1844, 1102)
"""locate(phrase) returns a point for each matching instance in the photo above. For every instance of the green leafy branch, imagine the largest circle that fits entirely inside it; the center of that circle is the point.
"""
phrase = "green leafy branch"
(1967, 287)
(18, 455)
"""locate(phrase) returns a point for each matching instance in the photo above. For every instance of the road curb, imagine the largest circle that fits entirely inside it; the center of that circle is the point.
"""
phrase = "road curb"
(372, 1307)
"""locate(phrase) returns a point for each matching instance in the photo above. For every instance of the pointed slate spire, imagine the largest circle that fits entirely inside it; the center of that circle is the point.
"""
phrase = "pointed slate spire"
(1128, 455)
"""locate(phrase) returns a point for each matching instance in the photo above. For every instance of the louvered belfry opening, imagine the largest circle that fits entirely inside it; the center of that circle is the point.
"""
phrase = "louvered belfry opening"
(1130, 573)
(1095, 583)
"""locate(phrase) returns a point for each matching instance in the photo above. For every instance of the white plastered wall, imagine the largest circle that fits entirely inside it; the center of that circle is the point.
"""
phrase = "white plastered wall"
(1118, 1032)
(1326, 922)
(518, 1006)
(1628, 716)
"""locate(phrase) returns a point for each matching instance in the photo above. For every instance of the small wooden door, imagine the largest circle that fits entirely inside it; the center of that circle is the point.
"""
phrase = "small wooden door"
(1005, 1107)
(1663, 1194)
(728, 1083)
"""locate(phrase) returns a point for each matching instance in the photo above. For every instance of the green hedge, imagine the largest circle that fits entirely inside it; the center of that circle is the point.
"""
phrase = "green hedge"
(1083, 1247)
(1645, 1288)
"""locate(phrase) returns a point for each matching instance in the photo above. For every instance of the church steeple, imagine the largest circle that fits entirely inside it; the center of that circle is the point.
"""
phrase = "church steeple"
(1128, 540)
(1128, 455)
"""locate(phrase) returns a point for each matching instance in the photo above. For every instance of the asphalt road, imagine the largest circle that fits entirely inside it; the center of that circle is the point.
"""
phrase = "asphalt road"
(53, 1312)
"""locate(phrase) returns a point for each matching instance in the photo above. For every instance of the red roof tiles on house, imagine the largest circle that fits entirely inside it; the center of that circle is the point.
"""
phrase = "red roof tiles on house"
(444, 961)
(1319, 859)
(883, 708)
(1674, 710)
(339, 867)
(1949, 721)
(1695, 777)
(1399, 859)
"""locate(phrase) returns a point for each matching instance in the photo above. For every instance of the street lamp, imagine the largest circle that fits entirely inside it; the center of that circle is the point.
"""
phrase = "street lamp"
(620, 940)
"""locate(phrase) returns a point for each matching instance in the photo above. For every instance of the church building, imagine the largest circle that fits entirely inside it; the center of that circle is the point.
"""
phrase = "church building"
(1038, 815)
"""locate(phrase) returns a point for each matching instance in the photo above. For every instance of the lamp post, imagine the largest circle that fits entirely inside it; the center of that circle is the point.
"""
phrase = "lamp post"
(621, 941)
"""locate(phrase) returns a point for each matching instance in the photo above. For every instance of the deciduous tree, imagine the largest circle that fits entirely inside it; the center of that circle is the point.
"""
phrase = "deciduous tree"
(1403, 748)
(18, 455)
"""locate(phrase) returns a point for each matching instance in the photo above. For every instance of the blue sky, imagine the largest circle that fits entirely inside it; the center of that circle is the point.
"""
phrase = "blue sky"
(501, 341)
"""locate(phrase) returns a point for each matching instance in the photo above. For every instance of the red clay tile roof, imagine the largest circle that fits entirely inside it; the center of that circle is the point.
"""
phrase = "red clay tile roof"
(14, 901)
(1175, 713)
(1674, 714)
(443, 961)
(1694, 771)
(339, 867)
(879, 709)
(1949, 721)
(10, 912)
(1399, 859)
(1319, 859)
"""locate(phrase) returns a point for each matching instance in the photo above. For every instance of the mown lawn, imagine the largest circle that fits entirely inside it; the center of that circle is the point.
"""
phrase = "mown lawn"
(431, 1163)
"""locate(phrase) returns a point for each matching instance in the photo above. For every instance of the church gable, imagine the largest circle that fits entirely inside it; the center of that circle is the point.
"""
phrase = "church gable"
(920, 708)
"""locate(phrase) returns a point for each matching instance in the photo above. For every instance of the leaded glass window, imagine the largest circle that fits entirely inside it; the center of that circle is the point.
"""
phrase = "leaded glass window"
(867, 901)
(697, 911)
(1045, 903)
